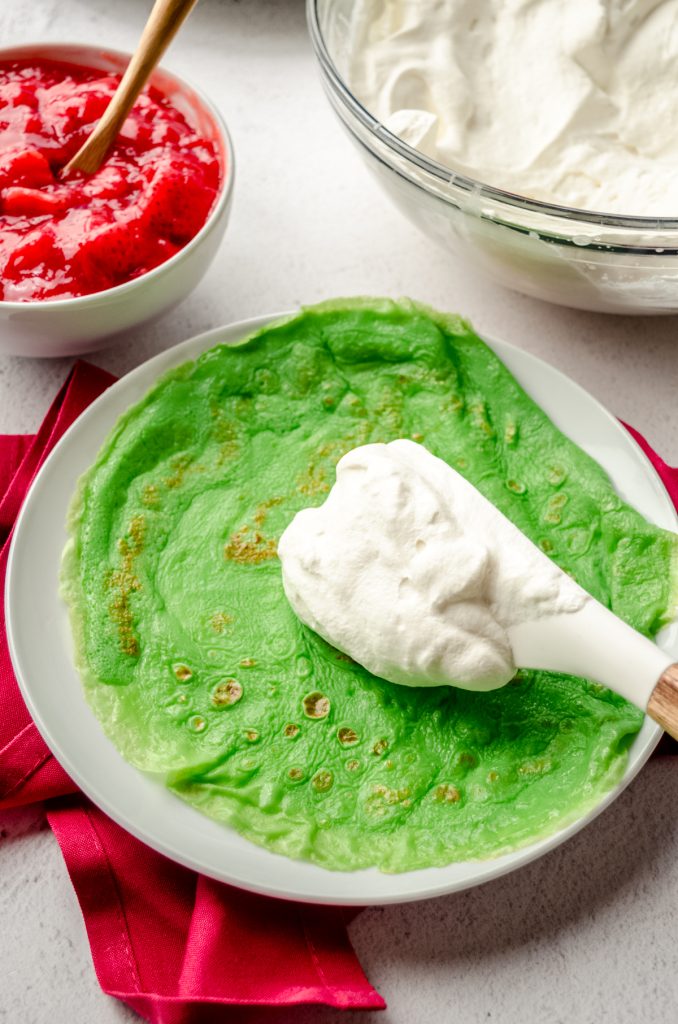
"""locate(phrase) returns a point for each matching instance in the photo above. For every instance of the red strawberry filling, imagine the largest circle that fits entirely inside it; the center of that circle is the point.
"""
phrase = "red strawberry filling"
(63, 238)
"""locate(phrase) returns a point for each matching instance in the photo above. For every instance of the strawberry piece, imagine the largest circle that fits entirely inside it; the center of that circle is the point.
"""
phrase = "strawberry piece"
(176, 203)
(18, 201)
(109, 182)
(17, 94)
(36, 250)
(25, 167)
(71, 107)
(108, 253)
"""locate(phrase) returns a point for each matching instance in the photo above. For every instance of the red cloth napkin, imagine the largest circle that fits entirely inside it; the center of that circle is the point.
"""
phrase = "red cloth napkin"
(173, 945)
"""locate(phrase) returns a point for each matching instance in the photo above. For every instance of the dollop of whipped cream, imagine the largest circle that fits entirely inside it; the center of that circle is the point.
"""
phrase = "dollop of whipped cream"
(415, 575)
(574, 102)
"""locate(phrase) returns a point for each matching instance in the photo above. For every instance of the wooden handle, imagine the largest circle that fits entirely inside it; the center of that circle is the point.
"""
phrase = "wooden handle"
(163, 24)
(663, 703)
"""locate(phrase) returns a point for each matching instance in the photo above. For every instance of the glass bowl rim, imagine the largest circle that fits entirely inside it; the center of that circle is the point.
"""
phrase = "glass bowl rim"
(448, 176)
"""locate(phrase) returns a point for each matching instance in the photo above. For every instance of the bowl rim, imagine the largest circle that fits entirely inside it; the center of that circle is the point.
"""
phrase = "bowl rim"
(448, 176)
(51, 49)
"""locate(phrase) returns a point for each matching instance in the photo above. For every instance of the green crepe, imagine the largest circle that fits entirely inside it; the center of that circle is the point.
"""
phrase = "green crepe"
(199, 670)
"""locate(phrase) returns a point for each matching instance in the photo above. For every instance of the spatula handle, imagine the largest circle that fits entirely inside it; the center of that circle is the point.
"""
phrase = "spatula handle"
(163, 24)
(663, 703)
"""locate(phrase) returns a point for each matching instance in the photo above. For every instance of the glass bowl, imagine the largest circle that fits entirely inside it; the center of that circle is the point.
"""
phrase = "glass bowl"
(602, 262)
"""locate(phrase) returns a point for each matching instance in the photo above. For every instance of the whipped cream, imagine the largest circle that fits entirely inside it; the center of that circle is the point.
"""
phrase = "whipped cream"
(574, 102)
(408, 569)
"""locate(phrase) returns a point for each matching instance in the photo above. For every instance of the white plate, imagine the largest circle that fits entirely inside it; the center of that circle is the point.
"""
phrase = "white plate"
(40, 647)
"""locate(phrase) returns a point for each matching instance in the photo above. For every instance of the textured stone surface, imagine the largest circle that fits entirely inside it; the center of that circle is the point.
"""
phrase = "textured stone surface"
(589, 932)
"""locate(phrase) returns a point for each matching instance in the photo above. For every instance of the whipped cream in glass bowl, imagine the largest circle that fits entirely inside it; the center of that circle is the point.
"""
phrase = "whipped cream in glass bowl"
(598, 77)
(537, 138)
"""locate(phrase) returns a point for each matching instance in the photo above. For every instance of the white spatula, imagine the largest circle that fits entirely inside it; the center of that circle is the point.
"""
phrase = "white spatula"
(594, 643)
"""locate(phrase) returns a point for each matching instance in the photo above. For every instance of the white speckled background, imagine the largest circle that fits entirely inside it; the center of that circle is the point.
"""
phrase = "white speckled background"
(589, 933)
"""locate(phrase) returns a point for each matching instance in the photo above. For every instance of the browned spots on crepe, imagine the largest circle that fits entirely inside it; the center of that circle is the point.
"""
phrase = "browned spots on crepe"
(250, 548)
(124, 582)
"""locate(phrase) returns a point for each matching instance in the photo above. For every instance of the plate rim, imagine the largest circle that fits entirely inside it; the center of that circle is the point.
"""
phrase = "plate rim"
(487, 869)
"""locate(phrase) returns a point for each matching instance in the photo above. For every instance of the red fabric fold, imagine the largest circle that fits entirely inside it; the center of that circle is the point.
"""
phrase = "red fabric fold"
(175, 946)
(669, 477)
(165, 940)
(28, 772)
(668, 474)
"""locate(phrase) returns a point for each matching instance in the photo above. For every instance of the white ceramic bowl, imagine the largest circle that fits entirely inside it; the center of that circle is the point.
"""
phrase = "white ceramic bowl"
(69, 327)
(597, 261)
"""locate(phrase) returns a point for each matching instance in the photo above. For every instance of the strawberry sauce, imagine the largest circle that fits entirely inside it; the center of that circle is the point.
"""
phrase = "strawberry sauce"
(152, 194)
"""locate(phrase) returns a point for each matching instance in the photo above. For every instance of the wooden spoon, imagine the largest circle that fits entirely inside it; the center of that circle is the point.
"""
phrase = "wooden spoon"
(163, 24)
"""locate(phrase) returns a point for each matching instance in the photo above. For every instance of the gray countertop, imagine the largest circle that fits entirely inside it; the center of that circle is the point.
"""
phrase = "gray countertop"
(589, 932)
